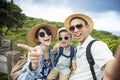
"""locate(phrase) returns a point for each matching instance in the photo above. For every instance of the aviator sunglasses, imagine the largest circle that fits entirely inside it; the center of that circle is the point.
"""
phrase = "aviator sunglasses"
(42, 34)
(78, 26)
(64, 38)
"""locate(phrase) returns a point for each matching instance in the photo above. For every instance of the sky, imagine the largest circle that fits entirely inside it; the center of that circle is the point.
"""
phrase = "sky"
(105, 13)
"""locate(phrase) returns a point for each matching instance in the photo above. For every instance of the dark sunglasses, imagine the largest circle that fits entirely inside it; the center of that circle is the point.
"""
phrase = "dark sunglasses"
(64, 38)
(42, 34)
(78, 26)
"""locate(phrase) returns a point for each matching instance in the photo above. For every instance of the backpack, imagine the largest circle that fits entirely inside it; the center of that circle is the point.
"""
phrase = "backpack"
(90, 59)
(17, 68)
(72, 54)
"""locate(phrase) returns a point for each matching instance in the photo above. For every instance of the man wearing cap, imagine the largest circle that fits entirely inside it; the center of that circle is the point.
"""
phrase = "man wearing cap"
(81, 26)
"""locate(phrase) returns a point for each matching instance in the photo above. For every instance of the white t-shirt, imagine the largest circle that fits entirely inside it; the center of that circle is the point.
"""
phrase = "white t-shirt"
(101, 54)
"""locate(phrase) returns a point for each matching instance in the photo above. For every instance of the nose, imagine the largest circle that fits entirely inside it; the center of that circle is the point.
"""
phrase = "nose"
(76, 29)
(46, 34)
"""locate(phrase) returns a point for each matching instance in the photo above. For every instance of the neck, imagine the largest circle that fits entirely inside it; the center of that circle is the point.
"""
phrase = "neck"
(46, 51)
(66, 47)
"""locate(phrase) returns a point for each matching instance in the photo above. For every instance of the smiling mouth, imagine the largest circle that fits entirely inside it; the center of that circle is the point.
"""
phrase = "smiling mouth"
(47, 40)
(78, 35)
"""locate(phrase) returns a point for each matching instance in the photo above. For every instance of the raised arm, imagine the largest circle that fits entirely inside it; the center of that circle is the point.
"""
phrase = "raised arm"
(112, 69)
(34, 55)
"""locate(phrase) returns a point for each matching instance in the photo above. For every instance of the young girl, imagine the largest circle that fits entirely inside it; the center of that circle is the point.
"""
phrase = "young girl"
(41, 57)
(66, 60)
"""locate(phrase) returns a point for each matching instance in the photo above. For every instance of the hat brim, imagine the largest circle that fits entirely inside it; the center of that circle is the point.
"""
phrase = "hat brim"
(31, 33)
(88, 19)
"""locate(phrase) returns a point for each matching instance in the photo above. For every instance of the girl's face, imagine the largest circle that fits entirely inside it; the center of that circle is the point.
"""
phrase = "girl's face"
(44, 37)
(65, 39)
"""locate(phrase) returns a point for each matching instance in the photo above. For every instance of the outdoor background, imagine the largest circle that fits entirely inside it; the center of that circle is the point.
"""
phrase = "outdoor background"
(18, 16)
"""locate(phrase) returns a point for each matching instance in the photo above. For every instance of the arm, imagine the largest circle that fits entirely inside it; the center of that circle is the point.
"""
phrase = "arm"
(34, 54)
(32, 68)
(27, 74)
(74, 68)
(112, 69)
(55, 48)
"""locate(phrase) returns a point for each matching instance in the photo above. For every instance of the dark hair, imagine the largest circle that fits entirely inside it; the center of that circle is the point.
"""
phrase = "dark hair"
(86, 23)
(64, 30)
(44, 28)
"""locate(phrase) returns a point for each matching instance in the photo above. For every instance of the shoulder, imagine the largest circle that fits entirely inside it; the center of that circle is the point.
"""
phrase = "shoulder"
(100, 47)
(99, 43)
(51, 52)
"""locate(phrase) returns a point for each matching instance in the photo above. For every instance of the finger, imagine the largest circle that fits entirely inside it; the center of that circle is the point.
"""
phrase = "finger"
(34, 61)
(34, 55)
(34, 58)
(23, 46)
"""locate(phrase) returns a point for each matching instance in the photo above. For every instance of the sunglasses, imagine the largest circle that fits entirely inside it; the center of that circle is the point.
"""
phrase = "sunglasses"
(42, 34)
(78, 26)
(64, 38)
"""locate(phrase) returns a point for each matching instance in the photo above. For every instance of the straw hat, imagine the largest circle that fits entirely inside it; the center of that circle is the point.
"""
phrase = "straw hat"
(88, 19)
(31, 33)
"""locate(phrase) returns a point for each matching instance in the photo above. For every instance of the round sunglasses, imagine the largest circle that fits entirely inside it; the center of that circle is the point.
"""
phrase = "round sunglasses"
(42, 34)
(78, 26)
(64, 38)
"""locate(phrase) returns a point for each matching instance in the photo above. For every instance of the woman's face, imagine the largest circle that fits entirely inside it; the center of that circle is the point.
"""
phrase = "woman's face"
(79, 29)
(44, 37)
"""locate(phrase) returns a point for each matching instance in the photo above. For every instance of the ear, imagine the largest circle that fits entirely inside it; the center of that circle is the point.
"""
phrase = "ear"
(87, 28)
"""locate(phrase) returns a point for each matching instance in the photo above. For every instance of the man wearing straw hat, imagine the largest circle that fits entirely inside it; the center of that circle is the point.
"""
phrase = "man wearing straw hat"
(80, 26)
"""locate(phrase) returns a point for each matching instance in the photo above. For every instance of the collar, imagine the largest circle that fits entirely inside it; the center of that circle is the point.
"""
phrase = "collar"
(85, 43)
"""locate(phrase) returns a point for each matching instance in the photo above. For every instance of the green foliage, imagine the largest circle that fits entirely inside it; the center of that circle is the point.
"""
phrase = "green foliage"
(19, 35)
(111, 40)
(10, 16)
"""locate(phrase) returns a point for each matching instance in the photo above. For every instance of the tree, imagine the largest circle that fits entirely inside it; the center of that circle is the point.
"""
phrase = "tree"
(10, 16)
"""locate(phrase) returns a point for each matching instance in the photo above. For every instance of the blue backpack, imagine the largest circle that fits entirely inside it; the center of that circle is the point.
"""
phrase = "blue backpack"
(72, 54)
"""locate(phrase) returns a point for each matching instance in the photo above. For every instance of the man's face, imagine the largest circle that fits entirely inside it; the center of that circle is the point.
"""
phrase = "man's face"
(79, 29)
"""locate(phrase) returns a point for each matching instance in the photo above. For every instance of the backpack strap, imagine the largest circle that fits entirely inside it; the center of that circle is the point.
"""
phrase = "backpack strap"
(72, 54)
(59, 54)
(90, 59)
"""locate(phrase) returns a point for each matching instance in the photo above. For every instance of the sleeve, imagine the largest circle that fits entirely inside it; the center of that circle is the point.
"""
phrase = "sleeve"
(27, 74)
(101, 53)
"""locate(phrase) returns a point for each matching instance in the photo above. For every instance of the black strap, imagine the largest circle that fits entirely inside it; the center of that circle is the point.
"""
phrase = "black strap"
(90, 59)
(72, 54)
(59, 54)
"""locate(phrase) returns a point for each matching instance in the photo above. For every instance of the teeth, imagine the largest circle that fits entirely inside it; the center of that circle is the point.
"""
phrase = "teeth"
(47, 40)
(77, 35)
